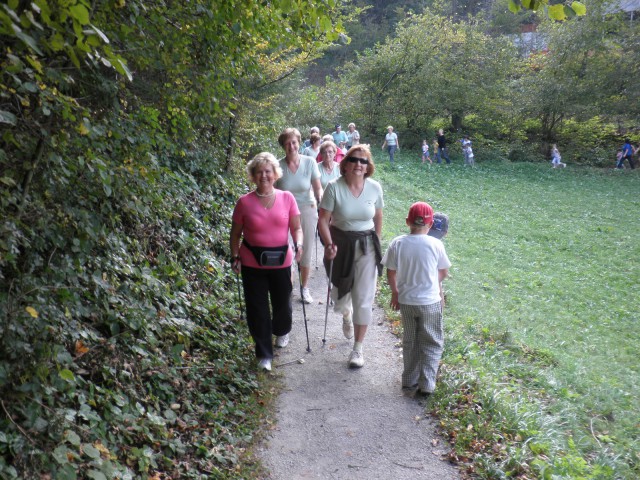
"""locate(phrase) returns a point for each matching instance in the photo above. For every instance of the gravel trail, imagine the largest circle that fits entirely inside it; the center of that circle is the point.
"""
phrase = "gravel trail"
(333, 422)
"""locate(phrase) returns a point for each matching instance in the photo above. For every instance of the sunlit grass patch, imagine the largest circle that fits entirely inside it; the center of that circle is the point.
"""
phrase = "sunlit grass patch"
(541, 319)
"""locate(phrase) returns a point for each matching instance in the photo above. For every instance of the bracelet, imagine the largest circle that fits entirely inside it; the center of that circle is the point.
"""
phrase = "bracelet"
(234, 258)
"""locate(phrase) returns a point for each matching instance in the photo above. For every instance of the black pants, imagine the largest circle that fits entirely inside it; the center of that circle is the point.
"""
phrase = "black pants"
(262, 285)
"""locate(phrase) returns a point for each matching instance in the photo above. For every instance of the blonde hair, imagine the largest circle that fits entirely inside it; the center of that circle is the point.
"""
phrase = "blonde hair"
(263, 158)
(328, 144)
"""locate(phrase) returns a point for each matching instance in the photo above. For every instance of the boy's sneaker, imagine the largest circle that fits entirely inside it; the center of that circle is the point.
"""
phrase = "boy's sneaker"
(347, 327)
(282, 341)
(356, 359)
(264, 364)
(306, 296)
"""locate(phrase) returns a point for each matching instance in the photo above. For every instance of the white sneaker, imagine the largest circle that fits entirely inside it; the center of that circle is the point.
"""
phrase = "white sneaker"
(282, 341)
(264, 364)
(347, 327)
(306, 296)
(356, 359)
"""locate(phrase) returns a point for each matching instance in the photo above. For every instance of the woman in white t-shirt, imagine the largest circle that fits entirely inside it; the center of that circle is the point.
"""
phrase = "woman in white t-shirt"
(350, 225)
(391, 142)
(329, 168)
(300, 176)
(314, 146)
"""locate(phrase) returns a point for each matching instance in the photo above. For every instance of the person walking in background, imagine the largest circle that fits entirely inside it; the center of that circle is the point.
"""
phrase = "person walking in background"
(314, 147)
(466, 150)
(301, 177)
(619, 158)
(416, 266)
(556, 159)
(263, 220)
(350, 225)
(442, 151)
(425, 152)
(329, 168)
(627, 154)
(307, 142)
(353, 136)
(391, 142)
(339, 136)
(439, 230)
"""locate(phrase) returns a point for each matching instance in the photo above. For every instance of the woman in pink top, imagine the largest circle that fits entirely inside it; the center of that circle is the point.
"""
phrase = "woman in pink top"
(263, 219)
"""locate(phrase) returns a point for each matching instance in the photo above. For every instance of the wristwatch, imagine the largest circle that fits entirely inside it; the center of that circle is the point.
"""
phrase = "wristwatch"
(298, 246)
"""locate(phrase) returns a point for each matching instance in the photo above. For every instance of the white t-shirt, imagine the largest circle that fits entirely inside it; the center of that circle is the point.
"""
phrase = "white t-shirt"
(326, 177)
(391, 139)
(353, 138)
(416, 260)
(299, 183)
(348, 213)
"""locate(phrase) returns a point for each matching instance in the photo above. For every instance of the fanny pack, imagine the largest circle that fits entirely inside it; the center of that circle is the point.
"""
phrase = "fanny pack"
(268, 256)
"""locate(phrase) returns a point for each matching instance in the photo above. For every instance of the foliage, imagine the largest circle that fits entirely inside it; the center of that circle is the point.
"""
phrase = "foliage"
(555, 11)
(121, 351)
(538, 377)
(395, 81)
(582, 74)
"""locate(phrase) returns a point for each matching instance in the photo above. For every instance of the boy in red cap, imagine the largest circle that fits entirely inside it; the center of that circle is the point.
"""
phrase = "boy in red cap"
(416, 265)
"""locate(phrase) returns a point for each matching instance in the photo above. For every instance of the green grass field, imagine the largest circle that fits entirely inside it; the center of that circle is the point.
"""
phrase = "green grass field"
(540, 377)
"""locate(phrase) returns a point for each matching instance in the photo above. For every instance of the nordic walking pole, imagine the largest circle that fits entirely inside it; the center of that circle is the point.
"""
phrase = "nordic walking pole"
(316, 248)
(326, 312)
(239, 296)
(304, 310)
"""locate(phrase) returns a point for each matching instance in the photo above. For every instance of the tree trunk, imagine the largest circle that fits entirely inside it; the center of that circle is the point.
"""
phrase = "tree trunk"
(230, 141)
(456, 121)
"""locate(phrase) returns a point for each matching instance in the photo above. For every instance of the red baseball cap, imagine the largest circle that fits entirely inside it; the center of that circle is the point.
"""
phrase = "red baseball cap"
(420, 214)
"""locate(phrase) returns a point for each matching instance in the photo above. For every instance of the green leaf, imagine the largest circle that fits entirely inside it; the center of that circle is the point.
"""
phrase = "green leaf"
(556, 12)
(60, 454)
(579, 8)
(513, 7)
(96, 475)
(29, 41)
(72, 437)
(80, 13)
(8, 117)
(30, 87)
(102, 36)
(122, 69)
(91, 451)
(325, 24)
(56, 42)
(67, 375)
(8, 181)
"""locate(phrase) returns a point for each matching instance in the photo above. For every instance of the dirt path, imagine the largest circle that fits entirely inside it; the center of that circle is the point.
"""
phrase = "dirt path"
(338, 423)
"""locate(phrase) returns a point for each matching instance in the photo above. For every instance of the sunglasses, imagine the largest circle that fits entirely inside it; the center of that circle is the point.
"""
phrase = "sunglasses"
(363, 161)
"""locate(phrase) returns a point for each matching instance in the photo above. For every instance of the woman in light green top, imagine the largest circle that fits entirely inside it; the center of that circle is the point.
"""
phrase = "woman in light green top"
(350, 226)
(329, 168)
(301, 177)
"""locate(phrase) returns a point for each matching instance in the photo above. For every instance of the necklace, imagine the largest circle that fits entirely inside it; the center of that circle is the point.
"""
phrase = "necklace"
(268, 205)
(265, 195)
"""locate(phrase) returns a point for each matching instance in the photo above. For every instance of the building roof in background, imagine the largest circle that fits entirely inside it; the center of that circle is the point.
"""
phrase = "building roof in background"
(623, 6)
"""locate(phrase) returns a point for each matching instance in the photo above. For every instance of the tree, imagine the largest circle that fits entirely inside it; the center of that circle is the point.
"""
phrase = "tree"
(433, 67)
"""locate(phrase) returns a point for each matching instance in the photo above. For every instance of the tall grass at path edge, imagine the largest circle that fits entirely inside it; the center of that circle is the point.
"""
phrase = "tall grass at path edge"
(540, 375)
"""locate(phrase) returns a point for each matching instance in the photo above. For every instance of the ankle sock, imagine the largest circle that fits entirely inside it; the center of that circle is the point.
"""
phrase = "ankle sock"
(357, 347)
